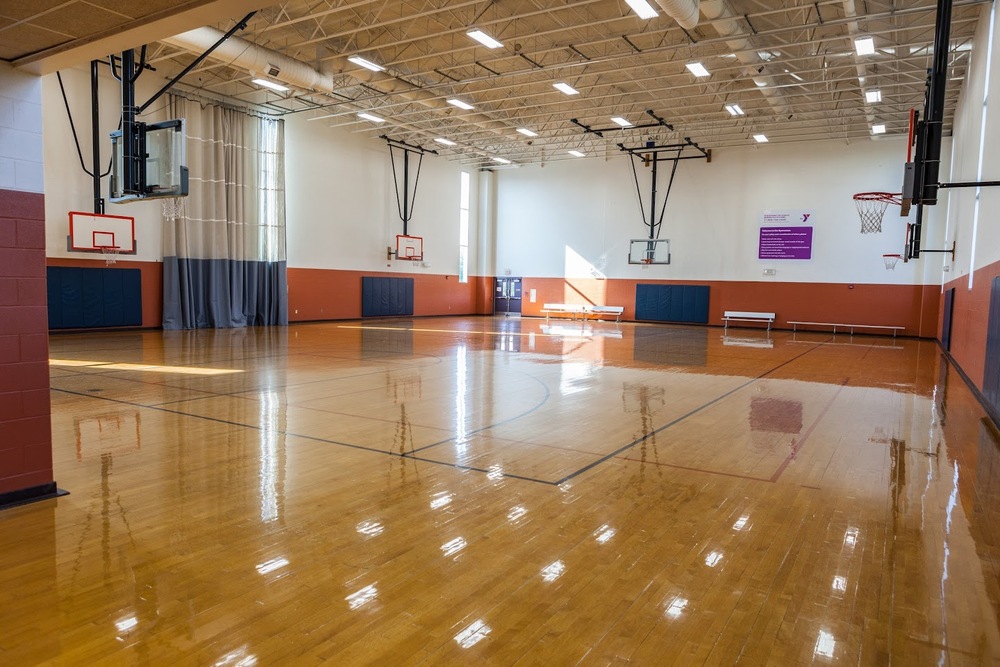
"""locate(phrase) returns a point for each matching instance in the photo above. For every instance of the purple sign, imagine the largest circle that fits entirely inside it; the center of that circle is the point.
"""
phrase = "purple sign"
(785, 243)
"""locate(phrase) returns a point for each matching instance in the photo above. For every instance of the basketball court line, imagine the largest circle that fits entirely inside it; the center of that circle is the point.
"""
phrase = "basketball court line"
(523, 334)
(690, 413)
(412, 454)
(313, 438)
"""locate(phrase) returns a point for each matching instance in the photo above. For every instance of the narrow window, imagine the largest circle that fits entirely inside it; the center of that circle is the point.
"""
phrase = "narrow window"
(463, 231)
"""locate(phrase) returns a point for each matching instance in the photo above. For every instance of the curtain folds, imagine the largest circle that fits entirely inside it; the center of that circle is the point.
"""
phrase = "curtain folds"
(224, 255)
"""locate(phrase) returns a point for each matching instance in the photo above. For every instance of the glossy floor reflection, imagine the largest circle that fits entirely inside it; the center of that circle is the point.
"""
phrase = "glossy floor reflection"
(465, 490)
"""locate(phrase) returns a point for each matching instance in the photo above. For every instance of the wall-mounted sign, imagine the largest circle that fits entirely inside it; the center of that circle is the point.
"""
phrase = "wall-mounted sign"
(786, 217)
(785, 243)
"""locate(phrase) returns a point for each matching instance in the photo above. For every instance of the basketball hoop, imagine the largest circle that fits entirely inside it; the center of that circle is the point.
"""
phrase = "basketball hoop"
(890, 261)
(110, 253)
(871, 208)
(173, 208)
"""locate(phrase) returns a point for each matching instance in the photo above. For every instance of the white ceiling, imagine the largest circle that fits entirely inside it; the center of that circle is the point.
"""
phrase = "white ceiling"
(791, 66)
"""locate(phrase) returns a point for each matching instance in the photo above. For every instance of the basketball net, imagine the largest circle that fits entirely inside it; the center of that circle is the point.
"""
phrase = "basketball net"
(871, 207)
(110, 253)
(173, 208)
(890, 261)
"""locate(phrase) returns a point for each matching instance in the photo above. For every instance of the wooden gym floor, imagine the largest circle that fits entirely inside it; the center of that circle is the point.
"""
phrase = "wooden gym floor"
(506, 491)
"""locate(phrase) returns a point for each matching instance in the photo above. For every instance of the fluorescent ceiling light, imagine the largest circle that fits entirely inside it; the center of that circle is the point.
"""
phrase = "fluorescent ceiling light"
(760, 83)
(760, 138)
(865, 46)
(873, 96)
(484, 39)
(371, 117)
(367, 64)
(576, 153)
(735, 110)
(794, 75)
(460, 104)
(566, 88)
(270, 84)
(501, 160)
(444, 142)
(618, 120)
(642, 8)
(878, 129)
(697, 69)
(526, 132)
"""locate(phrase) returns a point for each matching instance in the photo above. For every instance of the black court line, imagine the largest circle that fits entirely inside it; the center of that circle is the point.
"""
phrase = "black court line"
(544, 400)
(676, 421)
(304, 437)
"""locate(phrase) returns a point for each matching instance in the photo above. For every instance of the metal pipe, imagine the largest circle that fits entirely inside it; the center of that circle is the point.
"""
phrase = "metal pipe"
(95, 139)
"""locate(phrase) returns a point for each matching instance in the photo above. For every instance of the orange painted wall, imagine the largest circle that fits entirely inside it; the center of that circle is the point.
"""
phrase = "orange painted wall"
(970, 318)
(915, 307)
(152, 283)
(327, 294)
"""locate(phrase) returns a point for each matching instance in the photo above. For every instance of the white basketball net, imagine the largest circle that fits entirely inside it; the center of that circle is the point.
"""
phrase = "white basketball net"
(110, 253)
(173, 208)
(890, 261)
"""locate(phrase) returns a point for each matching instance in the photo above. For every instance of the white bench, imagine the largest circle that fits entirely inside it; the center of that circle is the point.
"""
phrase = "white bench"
(599, 311)
(571, 309)
(851, 327)
(746, 316)
(583, 310)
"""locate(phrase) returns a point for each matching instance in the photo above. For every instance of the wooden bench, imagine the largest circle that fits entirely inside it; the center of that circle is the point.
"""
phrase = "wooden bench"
(746, 316)
(851, 327)
(582, 310)
(600, 311)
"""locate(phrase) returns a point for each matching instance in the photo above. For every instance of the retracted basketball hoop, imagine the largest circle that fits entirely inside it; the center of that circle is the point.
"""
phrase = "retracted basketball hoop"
(871, 207)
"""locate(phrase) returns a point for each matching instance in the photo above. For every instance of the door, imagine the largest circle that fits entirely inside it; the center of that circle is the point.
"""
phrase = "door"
(507, 296)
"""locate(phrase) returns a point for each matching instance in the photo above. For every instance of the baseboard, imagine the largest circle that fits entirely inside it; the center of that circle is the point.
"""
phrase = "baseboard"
(30, 495)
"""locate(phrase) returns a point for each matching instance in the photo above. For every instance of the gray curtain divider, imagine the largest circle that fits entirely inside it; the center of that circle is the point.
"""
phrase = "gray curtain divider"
(224, 258)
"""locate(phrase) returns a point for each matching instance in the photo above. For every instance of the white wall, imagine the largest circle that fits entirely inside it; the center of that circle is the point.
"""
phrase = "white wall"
(969, 137)
(68, 187)
(589, 207)
(20, 131)
(341, 205)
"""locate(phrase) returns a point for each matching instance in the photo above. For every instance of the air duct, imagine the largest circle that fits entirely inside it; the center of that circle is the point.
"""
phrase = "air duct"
(685, 12)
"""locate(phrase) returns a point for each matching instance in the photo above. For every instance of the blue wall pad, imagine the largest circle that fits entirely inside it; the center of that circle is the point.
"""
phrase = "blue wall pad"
(386, 297)
(94, 298)
(672, 303)
(991, 376)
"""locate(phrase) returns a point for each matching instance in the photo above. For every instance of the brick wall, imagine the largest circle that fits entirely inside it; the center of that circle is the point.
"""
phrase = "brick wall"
(25, 430)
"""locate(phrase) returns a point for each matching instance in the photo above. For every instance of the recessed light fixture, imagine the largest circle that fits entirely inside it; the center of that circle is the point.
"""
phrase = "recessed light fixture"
(760, 138)
(697, 69)
(873, 96)
(484, 39)
(565, 88)
(373, 118)
(460, 104)
(642, 8)
(623, 122)
(501, 160)
(526, 132)
(878, 129)
(865, 46)
(576, 153)
(367, 64)
(735, 110)
(444, 142)
(270, 84)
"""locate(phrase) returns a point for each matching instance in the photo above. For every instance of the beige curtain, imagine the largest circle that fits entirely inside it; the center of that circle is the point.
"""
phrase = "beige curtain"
(224, 253)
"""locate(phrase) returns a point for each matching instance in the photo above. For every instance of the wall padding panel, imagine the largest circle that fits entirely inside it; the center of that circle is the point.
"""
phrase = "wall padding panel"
(672, 303)
(386, 297)
(94, 298)
(991, 377)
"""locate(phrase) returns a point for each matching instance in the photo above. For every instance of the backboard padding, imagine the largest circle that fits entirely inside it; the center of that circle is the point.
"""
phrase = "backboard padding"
(89, 231)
